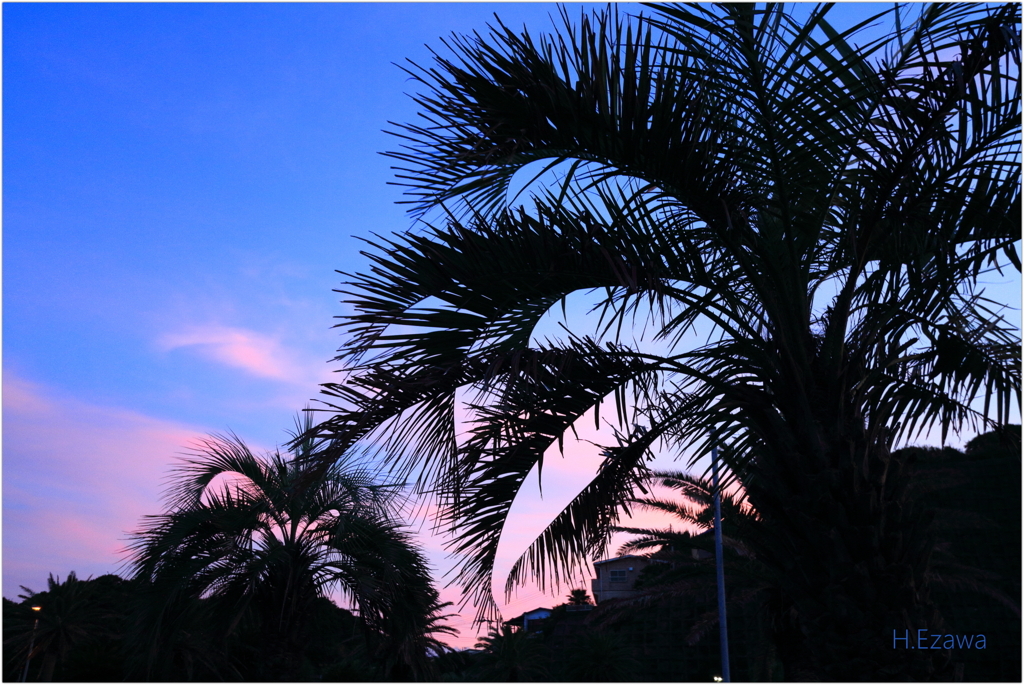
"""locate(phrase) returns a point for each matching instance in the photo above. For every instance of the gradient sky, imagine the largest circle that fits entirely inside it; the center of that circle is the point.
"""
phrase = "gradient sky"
(180, 183)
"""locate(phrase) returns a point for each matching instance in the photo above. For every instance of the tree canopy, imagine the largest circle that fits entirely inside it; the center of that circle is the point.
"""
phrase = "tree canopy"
(800, 214)
(260, 540)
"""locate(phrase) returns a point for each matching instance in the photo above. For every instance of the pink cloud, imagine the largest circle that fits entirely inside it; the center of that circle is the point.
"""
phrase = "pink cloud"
(76, 477)
(255, 353)
(79, 476)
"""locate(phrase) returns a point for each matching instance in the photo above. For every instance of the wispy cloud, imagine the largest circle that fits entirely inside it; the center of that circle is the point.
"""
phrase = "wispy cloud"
(77, 476)
(255, 353)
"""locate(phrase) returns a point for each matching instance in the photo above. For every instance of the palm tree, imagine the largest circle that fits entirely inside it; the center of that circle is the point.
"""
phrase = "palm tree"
(260, 548)
(695, 511)
(689, 550)
(579, 597)
(801, 215)
(69, 615)
(687, 570)
(413, 648)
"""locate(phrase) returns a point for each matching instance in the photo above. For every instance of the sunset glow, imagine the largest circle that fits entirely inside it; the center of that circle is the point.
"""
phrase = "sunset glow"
(183, 184)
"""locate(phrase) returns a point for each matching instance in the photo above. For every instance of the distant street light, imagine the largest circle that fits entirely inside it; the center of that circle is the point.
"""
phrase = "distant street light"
(31, 644)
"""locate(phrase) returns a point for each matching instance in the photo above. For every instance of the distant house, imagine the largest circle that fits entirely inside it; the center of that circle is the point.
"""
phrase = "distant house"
(615, 577)
(532, 621)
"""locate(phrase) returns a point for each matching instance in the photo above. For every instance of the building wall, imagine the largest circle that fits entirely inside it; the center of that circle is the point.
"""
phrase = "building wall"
(615, 578)
(534, 620)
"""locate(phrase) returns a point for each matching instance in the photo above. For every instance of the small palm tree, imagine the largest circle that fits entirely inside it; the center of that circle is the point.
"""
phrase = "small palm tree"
(579, 597)
(261, 547)
(695, 511)
(68, 616)
(687, 567)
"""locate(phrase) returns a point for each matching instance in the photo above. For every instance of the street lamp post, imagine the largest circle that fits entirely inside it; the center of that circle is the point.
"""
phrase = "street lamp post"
(723, 629)
(31, 644)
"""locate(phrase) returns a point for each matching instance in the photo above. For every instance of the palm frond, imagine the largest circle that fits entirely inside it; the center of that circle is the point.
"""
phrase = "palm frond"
(711, 169)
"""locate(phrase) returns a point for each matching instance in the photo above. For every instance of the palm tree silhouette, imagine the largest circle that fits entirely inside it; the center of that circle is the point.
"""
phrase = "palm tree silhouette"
(68, 615)
(279, 533)
(800, 215)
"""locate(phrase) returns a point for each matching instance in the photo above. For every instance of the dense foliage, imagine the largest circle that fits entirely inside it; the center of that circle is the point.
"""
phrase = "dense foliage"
(88, 628)
(971, 497)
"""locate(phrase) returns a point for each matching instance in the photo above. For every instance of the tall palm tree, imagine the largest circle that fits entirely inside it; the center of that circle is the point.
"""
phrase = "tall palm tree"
(261, 547)
(800, 215)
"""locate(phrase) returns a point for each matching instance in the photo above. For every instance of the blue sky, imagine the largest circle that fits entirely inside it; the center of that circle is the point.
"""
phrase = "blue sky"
(173, 167)
(180, 183)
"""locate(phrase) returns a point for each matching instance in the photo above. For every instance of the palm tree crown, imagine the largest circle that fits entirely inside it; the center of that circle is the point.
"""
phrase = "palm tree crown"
(69, 614)
(800, 219)
(279, 534)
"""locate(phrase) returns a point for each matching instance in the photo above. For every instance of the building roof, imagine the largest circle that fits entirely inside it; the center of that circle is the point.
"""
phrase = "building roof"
(519, 618)
(627, 556)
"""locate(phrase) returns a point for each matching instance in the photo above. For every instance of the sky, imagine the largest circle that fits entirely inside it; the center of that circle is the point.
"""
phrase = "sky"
(181, 183)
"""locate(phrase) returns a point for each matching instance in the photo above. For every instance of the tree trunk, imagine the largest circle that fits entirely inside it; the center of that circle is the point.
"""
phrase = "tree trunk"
(49, 663)
(851, 553)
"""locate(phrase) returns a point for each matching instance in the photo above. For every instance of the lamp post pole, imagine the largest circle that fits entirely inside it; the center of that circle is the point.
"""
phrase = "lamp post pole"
(723, 630)
(31, 644)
